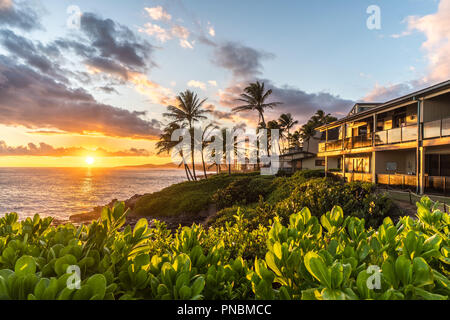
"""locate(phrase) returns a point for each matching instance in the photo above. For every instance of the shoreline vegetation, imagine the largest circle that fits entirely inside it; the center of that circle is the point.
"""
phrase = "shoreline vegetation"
(300, 237)
(215, 200)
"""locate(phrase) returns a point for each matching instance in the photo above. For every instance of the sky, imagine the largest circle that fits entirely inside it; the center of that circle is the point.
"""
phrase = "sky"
(93, 78)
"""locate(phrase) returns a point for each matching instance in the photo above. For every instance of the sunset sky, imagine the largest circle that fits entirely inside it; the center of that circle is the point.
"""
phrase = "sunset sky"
(98, 89)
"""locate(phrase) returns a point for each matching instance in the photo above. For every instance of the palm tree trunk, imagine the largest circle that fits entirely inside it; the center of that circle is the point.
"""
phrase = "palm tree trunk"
(263, 121)
(192, 151)
(204, 167)
(187, 174)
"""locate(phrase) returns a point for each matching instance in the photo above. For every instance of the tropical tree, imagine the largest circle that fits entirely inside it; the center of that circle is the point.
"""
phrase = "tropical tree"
(286, 123)
(165, 144)
(306, 133)
(308, 130)
(187, 111)
(255, 98)
(273, 125)
(206, 140)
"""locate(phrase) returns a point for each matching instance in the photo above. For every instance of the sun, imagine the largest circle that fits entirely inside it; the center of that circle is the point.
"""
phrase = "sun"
(90, 160)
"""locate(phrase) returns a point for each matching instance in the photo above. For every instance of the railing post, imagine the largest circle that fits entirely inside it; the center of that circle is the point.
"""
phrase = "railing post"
(445, 186)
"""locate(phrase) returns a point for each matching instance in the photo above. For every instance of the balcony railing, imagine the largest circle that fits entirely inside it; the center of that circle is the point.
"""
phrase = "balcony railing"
(330, 146)
(396, 135)
(357, 176)
(437, 184)
(436, 128)
(397, 181)
(431, 129)
(356, 142)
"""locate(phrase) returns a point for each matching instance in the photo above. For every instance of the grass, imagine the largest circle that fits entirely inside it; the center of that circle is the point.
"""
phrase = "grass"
(187, 198)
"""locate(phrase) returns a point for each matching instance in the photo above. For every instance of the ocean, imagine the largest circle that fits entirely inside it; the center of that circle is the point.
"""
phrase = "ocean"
(61, 192)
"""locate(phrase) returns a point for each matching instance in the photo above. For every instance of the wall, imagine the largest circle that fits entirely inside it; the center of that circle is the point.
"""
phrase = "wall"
(310, 164)
(405, 159)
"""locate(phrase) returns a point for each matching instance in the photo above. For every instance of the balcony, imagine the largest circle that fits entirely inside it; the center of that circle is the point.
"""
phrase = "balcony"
(397, 181)
(437, 184)
(396, 135)
(335, 145)
(436, 129)
(356, 142)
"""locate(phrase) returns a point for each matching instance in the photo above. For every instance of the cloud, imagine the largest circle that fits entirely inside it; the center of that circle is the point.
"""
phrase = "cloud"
(158, 13)
(213, 83)
(107, 89)
(163, 35)
(109, 48)
(300, 104)
(436, 28)
(37, 101)
(212, 32)
(222, 115)
(44, 149)
(158, 32)
(242, 61)
(115, 41)
(197, 84)
(41, 57)
(19, 15)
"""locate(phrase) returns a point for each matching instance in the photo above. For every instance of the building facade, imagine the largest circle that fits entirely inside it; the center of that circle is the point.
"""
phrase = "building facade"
(305, 157)
(403, 143)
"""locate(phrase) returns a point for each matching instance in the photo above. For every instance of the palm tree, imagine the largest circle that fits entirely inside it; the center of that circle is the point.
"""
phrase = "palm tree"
(273, 124)
(187, 111)
(287, 122)
(306, 133)
(165, 144)
(255, 98)
(206, 140)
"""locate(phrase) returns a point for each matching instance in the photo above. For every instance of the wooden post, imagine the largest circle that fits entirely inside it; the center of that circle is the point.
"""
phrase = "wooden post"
(343, 166)
(422, 170)
(326, 166)
(373, 167)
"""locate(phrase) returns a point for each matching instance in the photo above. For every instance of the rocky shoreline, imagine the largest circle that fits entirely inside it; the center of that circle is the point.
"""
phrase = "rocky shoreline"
(172, 222)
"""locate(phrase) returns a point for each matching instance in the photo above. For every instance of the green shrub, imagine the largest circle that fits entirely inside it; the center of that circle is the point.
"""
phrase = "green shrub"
(309, 257)
(243, 191)
(190, 198)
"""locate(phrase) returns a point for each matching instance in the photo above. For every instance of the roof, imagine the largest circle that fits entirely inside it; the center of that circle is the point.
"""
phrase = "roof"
(409, 97)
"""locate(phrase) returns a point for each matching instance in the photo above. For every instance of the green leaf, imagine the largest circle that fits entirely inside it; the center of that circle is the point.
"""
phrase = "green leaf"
(25, 265)
(317, 268)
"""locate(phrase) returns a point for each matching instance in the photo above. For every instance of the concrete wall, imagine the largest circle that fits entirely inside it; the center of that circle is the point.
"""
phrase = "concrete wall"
(404, 159)
(310, 164)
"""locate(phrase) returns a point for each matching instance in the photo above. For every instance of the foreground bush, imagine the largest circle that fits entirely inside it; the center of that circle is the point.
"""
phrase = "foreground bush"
(331, 257)
(320, 195)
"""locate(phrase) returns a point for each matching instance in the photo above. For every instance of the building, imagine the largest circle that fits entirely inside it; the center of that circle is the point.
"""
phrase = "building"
(305, 157)
(403, 143)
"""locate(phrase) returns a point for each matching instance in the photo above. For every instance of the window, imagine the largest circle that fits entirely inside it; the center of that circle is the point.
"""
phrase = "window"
(320, 163)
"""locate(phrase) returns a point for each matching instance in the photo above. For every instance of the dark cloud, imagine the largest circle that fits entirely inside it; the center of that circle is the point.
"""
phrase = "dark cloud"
(109, 47)
(37, 56)
(19, 14)
(221, 115)
(36, 101)
(107, 89)
(242, 61)
(300, 104)
(381, 93)
(44, 149)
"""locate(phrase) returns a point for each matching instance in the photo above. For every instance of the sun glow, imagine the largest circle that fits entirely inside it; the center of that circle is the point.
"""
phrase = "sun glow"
(90, 161)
